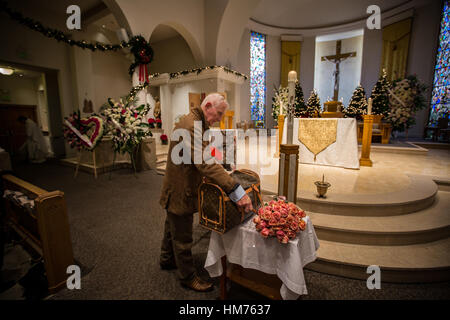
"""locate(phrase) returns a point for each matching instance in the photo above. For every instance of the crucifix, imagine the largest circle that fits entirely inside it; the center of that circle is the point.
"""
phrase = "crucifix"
(337, 59)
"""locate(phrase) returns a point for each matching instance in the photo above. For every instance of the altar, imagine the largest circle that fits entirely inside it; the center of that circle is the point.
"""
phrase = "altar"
(341, 150)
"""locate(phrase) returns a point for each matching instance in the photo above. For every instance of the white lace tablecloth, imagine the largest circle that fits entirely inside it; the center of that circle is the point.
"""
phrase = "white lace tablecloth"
(342, 153)
(244, 246)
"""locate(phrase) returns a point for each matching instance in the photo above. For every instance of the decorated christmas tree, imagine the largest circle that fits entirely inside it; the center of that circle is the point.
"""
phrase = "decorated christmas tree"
(280, 98)
(299, 105)
(358, 104)
(313, 104)
(380, 96)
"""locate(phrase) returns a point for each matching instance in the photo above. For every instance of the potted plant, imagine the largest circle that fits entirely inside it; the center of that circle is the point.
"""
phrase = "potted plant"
(164, 139)
(158, 123)
(151, 123)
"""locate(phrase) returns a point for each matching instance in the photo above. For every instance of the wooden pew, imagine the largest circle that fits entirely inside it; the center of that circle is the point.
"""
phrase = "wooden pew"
(45, 229)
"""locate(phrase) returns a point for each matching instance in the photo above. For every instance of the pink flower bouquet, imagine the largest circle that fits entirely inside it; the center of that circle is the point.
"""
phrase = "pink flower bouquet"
(280, 218)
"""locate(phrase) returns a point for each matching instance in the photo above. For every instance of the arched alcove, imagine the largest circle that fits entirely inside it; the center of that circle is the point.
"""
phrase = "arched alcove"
(172, 50)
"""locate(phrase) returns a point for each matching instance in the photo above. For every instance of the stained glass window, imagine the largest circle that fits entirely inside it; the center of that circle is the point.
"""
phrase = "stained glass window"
(440, 97)
(257, 76)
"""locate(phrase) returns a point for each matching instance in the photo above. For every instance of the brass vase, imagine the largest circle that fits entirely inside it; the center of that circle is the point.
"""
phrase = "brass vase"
(322, 188)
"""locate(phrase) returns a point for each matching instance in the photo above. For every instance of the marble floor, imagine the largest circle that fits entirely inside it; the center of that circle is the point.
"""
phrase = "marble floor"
(390, 171)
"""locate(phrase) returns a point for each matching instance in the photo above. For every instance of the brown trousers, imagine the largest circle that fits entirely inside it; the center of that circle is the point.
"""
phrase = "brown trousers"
(177, 244)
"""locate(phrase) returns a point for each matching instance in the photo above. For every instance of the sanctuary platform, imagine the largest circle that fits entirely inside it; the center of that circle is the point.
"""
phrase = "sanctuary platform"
(394, 214)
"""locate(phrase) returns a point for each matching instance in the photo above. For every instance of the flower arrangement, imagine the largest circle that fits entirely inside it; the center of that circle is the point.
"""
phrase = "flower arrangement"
(83, 133)
(280, 218)
(125, 124)
(164, 139)
(280, 99)
(405, 98)
(158, 123)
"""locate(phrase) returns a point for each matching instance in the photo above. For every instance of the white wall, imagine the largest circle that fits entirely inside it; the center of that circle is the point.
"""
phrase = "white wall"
(22, 90)
(306, 77)
(273, 74)
(243, 66)
(422, 55)
(172, 55)
(186, 17)
(350, 69)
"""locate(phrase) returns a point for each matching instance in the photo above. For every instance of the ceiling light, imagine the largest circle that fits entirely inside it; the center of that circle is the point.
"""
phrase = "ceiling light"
(6, 71)
(103, 26)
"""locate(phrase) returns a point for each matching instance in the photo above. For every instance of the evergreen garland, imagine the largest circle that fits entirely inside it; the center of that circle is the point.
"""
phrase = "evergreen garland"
(358, 104)
(299, 104)
(380, 96)
(313, 104)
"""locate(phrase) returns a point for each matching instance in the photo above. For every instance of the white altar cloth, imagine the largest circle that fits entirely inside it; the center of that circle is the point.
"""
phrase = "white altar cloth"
(342, 153)
(244, 246)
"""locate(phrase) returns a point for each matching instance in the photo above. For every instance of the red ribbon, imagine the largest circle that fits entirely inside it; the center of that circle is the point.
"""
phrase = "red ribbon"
(143, 73)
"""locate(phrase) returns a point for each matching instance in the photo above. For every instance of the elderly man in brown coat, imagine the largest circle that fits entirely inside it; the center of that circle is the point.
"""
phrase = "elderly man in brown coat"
(179, 190)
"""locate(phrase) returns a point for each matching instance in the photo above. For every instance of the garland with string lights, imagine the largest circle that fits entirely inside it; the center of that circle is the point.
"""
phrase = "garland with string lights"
(139, 47)
(199, 70)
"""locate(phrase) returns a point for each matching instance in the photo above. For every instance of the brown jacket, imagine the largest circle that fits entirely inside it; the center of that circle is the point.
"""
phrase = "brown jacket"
(181, 181)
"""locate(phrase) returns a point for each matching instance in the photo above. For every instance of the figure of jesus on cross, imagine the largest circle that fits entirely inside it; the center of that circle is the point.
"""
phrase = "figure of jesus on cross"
(337, 59)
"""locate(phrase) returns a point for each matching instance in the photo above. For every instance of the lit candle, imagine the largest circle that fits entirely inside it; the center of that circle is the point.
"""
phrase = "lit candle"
(369, 106)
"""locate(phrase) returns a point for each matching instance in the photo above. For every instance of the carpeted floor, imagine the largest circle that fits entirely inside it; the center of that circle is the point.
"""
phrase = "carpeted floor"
(116, 228)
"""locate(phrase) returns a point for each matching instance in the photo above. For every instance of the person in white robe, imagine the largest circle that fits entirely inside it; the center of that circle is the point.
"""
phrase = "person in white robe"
(35, 145)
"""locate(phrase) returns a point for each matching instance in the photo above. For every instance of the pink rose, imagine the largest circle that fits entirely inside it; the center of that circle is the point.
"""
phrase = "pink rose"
(284, 212)
(256, 219)
(280, 234)
(291, 234)
(294, 226)
(271, 232)
(273, 222)
(302, 214)
(263, 224)
(285, 239)
(302, 225)
(272, 202)
(276, 215)
(261, 211)
(265, 232)
(282, 221)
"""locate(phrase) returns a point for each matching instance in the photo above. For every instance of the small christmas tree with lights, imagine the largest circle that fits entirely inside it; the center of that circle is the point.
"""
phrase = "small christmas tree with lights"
(313, 104)
(358, 104)
(299, 105)
(380, 96)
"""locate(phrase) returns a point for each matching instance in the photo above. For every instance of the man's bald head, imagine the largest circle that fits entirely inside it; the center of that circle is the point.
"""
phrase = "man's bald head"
(214, 106)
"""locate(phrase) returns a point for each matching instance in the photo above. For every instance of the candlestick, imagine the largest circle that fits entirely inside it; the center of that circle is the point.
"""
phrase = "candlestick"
(369, 106)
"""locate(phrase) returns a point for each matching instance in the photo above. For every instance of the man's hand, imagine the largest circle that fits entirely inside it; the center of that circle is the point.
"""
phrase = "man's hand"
(245, 203)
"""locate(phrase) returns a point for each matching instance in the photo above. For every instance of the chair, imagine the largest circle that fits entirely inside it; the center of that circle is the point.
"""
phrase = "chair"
(379, 128)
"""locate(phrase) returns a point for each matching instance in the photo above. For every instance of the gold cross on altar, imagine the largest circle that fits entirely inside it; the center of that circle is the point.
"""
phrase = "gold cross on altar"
(338, 58)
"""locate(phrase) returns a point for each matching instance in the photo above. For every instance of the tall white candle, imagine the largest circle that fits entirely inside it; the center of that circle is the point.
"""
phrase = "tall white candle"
(292, 77)
(369, 106)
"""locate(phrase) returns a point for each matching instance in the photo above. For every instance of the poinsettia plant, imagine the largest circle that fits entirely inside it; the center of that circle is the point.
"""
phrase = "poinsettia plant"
(280, 218)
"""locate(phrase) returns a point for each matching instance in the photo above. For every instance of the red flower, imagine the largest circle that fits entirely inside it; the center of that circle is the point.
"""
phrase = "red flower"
(135, 115)
(265, 233)
(123, 111)
(151, 120)
(158, 120)
(163, 137)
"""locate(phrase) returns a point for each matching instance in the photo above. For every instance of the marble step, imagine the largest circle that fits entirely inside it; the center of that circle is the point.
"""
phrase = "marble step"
(427, 225)
(417, 196)
(429, 262)
(161, 168)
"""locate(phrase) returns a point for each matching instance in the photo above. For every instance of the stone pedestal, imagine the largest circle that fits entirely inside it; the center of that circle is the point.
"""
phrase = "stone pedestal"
(288, 172)
(366, 141)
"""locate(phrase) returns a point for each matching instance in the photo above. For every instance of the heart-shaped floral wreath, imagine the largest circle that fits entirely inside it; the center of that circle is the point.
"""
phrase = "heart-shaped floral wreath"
(83, 133)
